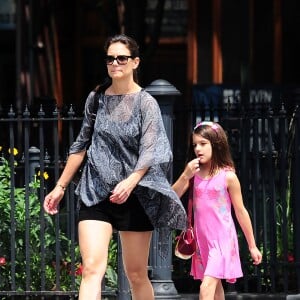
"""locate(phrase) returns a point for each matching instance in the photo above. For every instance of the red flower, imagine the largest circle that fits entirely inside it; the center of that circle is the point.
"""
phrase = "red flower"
(78, 272)
(2, 261)
(290, 257)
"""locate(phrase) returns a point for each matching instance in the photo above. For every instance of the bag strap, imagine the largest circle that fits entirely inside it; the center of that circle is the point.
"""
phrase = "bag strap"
(190, 202)
(95, 104)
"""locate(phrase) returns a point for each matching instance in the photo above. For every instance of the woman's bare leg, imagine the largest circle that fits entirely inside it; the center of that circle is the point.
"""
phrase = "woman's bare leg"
(135, 249)
(94, 237)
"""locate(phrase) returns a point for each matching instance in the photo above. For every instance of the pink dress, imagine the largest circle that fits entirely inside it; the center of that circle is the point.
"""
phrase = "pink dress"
(218, 251)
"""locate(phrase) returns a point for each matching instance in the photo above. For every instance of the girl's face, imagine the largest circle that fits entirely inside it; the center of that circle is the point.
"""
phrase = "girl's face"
(119, 71)
(202, 148)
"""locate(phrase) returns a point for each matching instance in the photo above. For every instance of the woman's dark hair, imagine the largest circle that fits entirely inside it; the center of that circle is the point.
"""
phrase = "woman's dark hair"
(221, 155)
(129, 42)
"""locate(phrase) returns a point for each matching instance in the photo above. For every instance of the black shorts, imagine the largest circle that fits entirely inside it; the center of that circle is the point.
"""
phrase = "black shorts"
(128, 216)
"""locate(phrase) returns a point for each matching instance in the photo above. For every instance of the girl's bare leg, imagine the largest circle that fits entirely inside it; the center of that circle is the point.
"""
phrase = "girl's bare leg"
(208, 288)
(219, 294)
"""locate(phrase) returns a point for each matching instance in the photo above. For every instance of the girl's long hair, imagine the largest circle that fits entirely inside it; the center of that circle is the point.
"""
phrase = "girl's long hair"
(221, 154)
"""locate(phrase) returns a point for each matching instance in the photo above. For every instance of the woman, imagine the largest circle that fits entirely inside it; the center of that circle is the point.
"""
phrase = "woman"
(123, 184)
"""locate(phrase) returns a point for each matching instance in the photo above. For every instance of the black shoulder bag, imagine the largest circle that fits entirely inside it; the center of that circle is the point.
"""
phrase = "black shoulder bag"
(78, 174)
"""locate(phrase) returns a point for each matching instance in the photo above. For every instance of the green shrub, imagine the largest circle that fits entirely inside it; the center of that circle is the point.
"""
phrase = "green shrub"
(34, 235)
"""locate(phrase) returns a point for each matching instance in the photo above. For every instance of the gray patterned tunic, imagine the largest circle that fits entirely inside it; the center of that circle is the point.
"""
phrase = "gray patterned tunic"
(128, 135)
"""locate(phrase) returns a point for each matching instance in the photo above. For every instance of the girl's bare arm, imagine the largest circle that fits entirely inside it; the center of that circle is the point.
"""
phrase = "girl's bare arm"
(242, 215)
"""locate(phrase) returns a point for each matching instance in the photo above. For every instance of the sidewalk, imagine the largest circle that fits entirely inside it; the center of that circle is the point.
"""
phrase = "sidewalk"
(229, 296)
(246, 296)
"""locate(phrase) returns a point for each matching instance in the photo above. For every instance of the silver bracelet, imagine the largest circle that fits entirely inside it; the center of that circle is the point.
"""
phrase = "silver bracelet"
(61, 186)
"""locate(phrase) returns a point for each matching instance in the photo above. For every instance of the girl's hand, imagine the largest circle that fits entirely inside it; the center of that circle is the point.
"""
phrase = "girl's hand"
(52, 200)
(256, 255)
(191, 168)
(182, 183)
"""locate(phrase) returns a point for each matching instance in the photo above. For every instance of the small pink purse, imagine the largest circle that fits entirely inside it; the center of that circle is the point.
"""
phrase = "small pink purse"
(186, 243)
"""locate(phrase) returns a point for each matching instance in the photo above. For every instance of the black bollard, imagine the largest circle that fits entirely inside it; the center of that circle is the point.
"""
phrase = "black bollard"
(34, 161)
(161, 268)
(123, 292)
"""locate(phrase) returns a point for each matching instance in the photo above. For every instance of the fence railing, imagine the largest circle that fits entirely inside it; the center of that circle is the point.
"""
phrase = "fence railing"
(39, 254)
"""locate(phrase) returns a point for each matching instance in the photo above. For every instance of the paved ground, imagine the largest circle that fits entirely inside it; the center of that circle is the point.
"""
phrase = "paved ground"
(231, 296)
(236, 296)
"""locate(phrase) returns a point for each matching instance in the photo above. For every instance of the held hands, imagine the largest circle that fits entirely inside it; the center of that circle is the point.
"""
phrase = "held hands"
(52, 200)
(256, 255)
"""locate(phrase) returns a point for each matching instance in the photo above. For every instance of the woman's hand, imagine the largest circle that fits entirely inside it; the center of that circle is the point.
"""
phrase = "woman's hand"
(52, 200)
(54, 197)
(122, 191)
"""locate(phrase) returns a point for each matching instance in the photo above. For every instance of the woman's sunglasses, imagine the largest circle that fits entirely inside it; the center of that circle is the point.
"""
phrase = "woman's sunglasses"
(121, 59)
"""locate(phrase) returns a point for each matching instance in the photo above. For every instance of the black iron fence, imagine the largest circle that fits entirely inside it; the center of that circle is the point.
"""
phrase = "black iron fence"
(39, 254)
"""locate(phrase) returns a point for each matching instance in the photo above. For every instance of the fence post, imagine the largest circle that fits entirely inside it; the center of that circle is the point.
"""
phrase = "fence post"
(161, 268)
(295, 97)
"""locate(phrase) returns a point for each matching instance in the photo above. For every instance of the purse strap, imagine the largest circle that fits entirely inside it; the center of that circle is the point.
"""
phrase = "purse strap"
(190, 202)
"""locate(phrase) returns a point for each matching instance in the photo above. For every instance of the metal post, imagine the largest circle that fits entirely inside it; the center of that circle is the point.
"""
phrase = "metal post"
(34, 161)
(124, 289)
(19, 54)
(161, 267)
(246, 76)
(295, 97)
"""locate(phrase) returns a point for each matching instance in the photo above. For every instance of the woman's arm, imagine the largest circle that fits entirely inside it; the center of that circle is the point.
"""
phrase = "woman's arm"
(54, 197)
(73, 163)
(242, 215)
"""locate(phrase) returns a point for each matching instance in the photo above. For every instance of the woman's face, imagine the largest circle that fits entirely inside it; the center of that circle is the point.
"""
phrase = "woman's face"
(119, 71)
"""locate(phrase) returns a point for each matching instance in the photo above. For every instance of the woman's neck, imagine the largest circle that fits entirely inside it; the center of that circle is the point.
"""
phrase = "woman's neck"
(122, 88)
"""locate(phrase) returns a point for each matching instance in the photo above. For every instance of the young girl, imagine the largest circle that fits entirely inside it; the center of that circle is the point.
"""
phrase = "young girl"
(216, 187)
